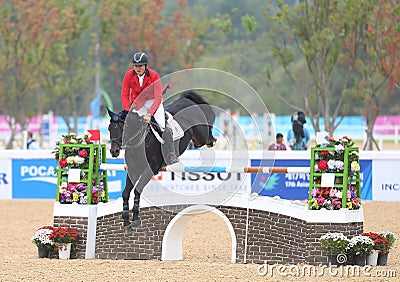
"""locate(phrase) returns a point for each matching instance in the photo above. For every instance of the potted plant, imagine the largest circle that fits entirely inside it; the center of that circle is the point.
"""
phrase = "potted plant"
(64, 238)
(383, 255)
(381, 245)
(335, 245)
(359, 246)
(42, 240)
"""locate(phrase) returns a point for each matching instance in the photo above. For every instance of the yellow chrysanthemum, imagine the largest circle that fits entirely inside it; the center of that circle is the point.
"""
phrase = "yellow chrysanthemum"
(70, 159)
(355, 166)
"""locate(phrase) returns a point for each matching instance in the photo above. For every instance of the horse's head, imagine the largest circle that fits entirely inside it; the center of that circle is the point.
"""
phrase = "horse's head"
(116, 129)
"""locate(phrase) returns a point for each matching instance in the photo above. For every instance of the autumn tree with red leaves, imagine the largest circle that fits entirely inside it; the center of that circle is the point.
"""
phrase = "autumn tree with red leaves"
(372, 54)
(27, 32)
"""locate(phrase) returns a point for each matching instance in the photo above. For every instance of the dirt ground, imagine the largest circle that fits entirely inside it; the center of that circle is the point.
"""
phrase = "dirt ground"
(206, 252)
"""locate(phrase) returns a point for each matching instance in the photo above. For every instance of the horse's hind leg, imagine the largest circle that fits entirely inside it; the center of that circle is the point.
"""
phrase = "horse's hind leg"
(144, 179)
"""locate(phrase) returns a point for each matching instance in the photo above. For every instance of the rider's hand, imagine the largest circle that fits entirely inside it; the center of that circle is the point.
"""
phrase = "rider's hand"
(147, 118)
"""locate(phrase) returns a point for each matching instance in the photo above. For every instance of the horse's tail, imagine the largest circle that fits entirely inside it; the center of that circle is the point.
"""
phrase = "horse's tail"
(191, 95)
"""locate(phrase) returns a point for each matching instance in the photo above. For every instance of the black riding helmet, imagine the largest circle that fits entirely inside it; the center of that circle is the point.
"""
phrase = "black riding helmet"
(139, 59)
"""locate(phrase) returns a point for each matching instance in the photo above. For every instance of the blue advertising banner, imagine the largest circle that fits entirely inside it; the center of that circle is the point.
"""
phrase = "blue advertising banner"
(34, 179)
(295, 186)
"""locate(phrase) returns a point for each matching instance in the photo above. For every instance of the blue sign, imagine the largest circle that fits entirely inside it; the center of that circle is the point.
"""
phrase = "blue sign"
(35, 179)
(116, 180)
(295, 186)
(366, 179)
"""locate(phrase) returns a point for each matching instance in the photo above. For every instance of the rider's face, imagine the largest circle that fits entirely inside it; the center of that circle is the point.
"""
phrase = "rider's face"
(140, 69)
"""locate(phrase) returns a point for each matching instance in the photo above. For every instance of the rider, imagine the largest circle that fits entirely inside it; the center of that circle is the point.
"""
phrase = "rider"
(141, 89)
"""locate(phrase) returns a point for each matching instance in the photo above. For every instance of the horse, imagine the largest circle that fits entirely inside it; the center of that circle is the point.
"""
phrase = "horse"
(143, 153)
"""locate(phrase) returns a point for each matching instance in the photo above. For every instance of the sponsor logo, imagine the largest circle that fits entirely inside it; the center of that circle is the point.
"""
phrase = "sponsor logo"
(390, 186)
(3, 178)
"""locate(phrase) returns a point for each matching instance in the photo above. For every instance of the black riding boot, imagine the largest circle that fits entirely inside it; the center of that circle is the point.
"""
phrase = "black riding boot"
(168, 149)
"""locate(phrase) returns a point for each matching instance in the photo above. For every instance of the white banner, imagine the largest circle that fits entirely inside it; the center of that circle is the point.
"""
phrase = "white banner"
(386, 180)
(5, 179)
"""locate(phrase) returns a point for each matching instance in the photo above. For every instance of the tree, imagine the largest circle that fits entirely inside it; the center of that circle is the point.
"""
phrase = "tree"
(66, 80)
(373, 55)
(173, 41)
(315, 29)
(27, 32)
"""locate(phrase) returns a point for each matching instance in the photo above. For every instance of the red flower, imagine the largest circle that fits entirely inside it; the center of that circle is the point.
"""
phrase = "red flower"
(63, 235)
(323, 165)
(325, 153)
(63, 162)
(83, 153)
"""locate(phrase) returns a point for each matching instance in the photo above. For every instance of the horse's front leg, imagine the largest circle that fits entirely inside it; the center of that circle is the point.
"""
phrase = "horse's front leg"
(136, 209)
(146, 176)
(125, 208)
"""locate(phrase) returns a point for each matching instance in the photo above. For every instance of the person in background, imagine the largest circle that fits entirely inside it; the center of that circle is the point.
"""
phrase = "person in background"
(298, 137)
(31, 143)
(279, 146)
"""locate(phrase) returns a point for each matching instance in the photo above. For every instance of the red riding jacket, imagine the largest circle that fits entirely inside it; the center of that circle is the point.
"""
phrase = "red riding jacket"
(132, 93)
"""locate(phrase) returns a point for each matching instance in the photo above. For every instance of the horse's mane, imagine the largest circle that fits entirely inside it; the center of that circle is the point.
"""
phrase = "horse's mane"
(191, 95)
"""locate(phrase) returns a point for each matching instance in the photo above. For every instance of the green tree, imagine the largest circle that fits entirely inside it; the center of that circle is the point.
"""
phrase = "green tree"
(315, 30)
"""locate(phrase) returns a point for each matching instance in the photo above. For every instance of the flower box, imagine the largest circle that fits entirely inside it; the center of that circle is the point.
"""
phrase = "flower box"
(79, 178)
(334, 176)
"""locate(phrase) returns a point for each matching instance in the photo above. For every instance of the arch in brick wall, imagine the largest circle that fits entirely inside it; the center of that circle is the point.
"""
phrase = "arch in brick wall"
(172, 239)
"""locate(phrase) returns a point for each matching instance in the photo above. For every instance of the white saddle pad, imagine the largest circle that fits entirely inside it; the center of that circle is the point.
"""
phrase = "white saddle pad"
(177, 131)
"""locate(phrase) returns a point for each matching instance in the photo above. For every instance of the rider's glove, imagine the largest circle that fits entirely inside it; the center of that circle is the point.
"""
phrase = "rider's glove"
(147, 118)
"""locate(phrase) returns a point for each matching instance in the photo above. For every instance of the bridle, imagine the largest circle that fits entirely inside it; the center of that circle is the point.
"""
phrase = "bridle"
(119, 126)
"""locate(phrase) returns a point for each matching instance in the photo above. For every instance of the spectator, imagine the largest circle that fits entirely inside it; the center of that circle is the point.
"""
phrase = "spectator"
(279, 143)
(298, 137)
(31, 143)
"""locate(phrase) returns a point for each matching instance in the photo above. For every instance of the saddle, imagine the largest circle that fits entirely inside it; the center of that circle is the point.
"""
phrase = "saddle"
(177, 131)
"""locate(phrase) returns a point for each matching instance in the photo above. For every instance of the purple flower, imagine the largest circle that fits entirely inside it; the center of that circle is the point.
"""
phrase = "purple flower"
(314, 192)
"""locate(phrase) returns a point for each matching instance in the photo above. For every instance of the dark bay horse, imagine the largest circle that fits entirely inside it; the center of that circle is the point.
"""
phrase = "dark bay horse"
(143, 154)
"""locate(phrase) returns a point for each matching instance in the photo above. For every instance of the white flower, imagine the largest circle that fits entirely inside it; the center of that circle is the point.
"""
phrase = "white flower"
(78, 160)
(338, 194)
(339, 148)
(334, 235)
(386, 233)
(42, 236)
(339, 165)
(331, 164)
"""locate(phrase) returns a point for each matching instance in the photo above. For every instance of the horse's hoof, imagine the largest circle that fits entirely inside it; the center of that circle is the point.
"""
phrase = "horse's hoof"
(137, 223)
(128, 228)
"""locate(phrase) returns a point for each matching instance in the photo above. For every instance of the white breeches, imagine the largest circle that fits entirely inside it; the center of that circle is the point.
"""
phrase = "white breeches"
(159, 115)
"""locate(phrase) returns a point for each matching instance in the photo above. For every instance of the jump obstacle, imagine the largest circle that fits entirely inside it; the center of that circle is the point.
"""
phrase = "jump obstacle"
(221, 169)
(262, 229)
